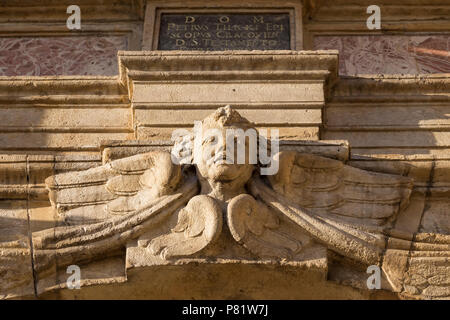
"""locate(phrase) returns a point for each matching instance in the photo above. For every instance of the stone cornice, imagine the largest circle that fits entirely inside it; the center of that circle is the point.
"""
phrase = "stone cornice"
(349, 17)
(141, 65)
(393, 88)
(355, 10)
(320, 10)
(55, 10)
(231, 65)
(61, 90)
(112, 150)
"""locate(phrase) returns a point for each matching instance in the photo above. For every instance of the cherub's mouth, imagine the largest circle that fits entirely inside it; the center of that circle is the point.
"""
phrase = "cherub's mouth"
(220, 159)
(222, 162)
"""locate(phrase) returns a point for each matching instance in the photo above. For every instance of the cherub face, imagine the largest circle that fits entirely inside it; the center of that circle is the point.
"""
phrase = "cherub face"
(214, 164)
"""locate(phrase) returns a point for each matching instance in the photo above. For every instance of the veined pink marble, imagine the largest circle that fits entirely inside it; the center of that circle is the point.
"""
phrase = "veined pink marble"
(74, 55)
(390, 54)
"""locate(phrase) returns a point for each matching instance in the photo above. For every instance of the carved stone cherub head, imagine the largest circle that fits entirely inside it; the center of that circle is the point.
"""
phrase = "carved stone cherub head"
(222, 177)
(223, 161)
(212, 142)
(225, 147)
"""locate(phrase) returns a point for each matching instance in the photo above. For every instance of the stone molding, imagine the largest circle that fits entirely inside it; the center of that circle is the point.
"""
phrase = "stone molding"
(55, 10)
(155, 8)
(153, 84)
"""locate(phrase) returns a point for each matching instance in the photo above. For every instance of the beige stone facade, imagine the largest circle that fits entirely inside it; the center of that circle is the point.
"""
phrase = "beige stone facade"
(87, 178)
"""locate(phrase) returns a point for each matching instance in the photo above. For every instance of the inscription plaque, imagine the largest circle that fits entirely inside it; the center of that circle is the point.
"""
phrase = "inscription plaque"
(234, 31)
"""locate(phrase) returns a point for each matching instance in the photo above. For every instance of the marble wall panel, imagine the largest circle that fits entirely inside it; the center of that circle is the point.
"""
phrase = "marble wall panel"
(74, 55)
(389, 54)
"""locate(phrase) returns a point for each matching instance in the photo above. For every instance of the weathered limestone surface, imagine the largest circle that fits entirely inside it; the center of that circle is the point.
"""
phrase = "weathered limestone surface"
(413, 38)
(172, 89)
(35, 40)
(389, 54)
(97, 187)
(43, 56)
(143, 217)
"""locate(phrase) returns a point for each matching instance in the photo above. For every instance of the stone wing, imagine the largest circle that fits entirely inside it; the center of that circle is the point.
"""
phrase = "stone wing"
(258, 229)
(199, 224)
(327, 186)
(66, 245)
(116, 188)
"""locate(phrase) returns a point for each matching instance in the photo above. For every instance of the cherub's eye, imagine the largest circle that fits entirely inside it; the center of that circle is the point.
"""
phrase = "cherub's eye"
(208, 140)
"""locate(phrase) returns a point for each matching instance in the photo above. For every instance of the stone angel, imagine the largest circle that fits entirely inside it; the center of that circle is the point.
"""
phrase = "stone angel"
(311, 200)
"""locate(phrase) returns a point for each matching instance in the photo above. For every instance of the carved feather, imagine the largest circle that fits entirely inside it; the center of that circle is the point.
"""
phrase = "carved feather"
(328, 186)
(119, 187)
(199, 224)
(258, 229)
